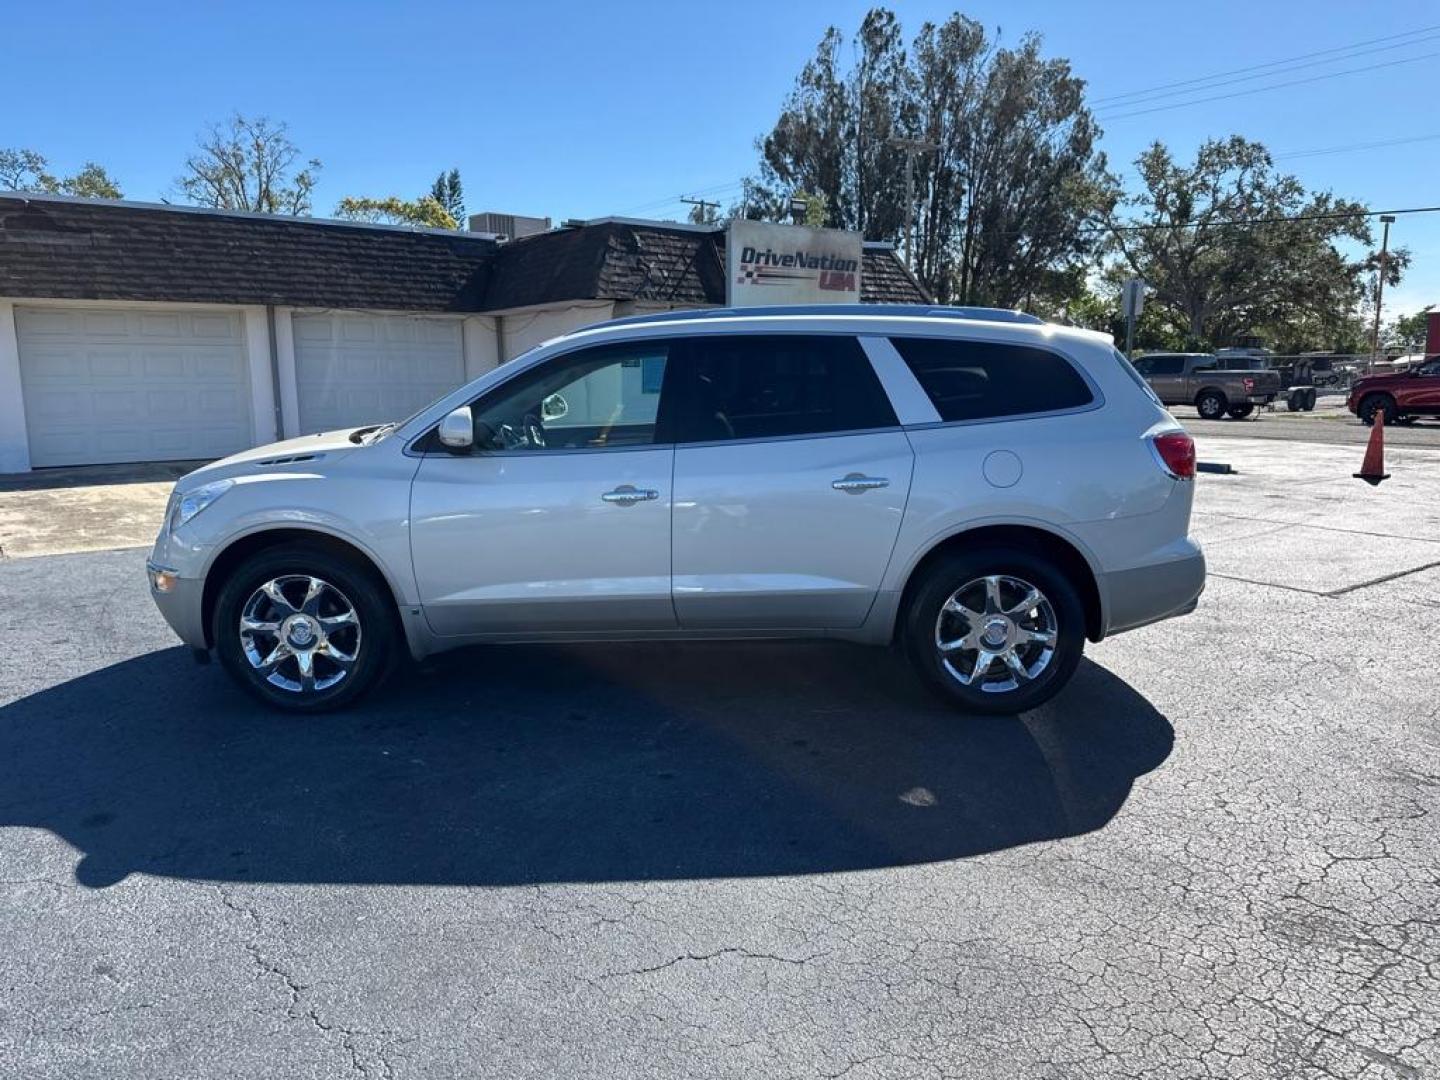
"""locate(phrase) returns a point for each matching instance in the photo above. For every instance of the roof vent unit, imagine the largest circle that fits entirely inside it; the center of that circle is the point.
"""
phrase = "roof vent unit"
(508, 226)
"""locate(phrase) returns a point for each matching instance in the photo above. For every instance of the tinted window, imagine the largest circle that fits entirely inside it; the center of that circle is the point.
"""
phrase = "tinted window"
(1164, 365)
(975, 380)
(765, 387)
(594, 398)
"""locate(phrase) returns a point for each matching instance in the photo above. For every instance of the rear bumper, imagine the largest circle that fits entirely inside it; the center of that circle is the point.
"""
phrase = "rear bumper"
(181, 604)
(1163, 590)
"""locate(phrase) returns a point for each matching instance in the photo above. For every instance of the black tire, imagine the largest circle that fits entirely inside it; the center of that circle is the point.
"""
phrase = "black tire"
(375, 643)
(1211, 404)
(1370, 404)
(922, 623)
(1240, 412)
(1311, 396)
(1295, 401)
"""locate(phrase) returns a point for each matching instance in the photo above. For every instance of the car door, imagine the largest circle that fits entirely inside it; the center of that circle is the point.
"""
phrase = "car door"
(1198, 374)
(1421, 391)
(559, 520)
(791, 475)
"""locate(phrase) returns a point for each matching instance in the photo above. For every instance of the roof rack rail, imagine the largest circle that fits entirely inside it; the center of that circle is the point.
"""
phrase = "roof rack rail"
(929, 311)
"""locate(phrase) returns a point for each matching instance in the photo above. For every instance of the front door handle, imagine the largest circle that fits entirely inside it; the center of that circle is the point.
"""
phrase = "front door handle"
(629, 495)
(856, 482)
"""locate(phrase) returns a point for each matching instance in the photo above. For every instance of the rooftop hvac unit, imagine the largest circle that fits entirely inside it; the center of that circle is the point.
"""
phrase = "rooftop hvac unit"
(510, 226)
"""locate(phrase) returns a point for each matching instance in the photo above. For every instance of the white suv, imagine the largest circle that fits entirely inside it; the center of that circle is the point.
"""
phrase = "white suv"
(983, 488)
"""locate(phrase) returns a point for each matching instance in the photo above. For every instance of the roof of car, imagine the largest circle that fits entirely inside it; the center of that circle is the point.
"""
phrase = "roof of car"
(929, 311)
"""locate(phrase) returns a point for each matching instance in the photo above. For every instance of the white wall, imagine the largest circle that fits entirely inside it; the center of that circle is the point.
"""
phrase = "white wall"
(523, 330)
(482, 352)
(262, 379)
(14, 442)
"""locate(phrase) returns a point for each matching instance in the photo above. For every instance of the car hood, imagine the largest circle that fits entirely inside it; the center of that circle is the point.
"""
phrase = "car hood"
(306, 448)
(1369, 382)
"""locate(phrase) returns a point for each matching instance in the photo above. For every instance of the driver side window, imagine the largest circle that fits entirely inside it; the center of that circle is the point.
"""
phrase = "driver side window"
(591, 399)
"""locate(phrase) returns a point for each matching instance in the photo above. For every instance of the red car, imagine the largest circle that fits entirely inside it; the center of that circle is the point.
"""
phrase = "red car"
(1404, 396)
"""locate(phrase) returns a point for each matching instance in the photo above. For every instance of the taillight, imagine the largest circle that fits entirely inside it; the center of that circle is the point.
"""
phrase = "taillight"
(1249, 384)
(1176, 451)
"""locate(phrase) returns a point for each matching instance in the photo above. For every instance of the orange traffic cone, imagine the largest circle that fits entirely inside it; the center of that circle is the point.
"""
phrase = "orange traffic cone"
(1372, 469)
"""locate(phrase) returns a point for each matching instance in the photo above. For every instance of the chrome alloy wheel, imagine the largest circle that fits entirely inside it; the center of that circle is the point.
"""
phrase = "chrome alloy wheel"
(996, 633)
(300, 632)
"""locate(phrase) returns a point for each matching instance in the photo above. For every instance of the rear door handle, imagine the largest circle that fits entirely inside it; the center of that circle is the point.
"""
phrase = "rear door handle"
(855, 483)
(628, 495)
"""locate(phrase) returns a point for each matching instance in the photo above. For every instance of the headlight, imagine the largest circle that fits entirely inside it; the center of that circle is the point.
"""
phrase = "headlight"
(192, 502)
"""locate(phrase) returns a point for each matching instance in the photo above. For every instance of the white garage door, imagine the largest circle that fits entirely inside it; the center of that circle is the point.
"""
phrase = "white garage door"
(354, 369)
(133, 384)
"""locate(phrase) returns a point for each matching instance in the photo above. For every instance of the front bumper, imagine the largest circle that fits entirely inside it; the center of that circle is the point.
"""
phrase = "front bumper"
(1163, 590)
(181, 601)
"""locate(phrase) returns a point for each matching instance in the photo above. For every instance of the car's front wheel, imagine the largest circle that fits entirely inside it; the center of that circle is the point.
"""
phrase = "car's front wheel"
(1374, 403)
(995, 630)
(303, 629)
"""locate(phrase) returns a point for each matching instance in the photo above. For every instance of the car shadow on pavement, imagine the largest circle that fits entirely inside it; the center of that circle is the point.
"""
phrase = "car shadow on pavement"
(537, 764)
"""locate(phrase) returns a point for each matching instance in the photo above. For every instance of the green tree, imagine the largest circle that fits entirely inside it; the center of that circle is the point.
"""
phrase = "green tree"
(424, 211)
(1006, 173)
(450, 194)
(1407, 332)
(26, 170)
(1229, 245)
(249, 164)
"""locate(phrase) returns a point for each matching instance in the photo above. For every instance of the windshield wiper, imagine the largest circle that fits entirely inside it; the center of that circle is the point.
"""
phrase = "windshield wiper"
(375, 434)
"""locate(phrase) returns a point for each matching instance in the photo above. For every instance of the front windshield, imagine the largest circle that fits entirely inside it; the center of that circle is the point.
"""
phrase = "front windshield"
(375, 435)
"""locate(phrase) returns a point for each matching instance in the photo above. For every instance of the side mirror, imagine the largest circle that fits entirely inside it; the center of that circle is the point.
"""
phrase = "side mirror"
(554, 407)
(457, 431)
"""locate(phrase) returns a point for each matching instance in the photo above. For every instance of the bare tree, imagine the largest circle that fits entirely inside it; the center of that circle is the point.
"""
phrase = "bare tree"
(248, 164)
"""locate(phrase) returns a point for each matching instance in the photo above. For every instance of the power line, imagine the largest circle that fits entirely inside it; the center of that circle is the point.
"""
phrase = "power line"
(1274, 86)
(1271, 64)
(1355, 146)
(669, 200)
(1339, 214)
(1271, 74)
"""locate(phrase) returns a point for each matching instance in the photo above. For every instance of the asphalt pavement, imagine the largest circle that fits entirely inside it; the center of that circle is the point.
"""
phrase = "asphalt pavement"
(1213, 855)
(1329, 424)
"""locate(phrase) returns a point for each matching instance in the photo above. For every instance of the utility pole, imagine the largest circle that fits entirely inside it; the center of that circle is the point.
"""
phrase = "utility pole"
(702, 204)
(1387, 220)
(911, 148)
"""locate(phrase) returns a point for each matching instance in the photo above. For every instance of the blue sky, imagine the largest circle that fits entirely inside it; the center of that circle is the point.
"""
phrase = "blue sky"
(580, 110)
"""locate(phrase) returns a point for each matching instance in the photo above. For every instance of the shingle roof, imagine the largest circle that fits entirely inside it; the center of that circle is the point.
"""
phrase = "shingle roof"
(96, 250)
(93, 250)
(622, 260)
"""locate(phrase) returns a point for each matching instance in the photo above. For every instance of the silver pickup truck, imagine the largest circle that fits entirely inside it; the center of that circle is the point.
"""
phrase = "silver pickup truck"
(1196, 379)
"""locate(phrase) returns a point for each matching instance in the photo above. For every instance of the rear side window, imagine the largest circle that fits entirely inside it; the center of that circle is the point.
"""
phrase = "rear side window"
(766, 387)
(1161, 365)
(978, 380)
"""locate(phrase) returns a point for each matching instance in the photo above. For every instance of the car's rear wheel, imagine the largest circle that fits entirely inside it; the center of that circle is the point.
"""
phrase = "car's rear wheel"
(303, 629)
(1211, 404)
(1373, 403)
(995, 630)
(1240, 412)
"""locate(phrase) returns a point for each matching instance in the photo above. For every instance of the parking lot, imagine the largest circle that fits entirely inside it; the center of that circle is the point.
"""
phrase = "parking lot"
(1213, 855)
